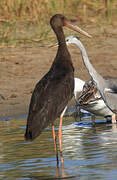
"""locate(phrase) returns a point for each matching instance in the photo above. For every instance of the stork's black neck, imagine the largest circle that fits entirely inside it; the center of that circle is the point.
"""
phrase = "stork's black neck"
(63, 58)
(60, 36)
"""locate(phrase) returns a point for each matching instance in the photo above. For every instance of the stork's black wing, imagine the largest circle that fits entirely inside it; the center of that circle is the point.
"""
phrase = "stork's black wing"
(48, 100)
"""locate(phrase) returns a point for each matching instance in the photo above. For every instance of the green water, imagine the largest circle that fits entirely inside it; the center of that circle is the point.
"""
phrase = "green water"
(89, 153)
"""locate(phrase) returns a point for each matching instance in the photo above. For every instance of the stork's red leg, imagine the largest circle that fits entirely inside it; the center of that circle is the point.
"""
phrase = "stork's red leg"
(60, 129)
(60, 134)
(60, 140)
(55, 144)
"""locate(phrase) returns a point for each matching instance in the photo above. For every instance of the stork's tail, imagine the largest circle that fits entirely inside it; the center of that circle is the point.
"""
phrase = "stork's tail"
(28, 135)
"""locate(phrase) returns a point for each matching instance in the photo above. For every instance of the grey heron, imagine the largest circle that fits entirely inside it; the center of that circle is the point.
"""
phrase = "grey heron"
(107, 87)
(90, 98)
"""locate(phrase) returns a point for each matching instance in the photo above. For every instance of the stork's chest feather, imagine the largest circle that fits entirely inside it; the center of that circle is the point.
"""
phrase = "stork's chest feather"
(56, 86)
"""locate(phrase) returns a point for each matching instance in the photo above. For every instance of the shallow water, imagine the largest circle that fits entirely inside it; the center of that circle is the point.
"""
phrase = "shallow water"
(88, 152)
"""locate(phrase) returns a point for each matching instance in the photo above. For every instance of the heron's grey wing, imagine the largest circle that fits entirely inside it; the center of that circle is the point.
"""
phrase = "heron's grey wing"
(111, 101)
(108, 90)
(111, 79)
(110, 94)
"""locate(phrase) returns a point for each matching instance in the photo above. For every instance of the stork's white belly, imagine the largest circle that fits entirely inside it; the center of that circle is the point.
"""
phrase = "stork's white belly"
(98, 108)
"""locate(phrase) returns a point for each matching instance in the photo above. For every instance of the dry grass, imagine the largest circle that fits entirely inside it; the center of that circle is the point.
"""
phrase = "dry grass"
(43, 9)
(27, 21)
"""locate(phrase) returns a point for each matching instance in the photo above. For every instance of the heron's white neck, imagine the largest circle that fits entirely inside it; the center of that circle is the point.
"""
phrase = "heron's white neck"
(93, 73)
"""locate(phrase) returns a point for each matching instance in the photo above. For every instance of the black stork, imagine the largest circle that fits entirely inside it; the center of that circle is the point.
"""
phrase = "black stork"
(55, 89)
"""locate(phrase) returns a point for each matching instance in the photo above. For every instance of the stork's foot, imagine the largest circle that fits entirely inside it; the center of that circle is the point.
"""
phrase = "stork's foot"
(113, 118)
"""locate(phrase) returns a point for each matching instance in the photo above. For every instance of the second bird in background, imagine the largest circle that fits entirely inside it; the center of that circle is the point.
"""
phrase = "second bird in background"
(90, 98)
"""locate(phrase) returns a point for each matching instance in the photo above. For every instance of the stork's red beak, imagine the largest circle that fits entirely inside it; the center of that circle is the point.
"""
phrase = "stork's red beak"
(75, 28)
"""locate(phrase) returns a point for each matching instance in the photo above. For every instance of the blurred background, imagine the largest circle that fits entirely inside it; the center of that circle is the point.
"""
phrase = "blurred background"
(27, 21)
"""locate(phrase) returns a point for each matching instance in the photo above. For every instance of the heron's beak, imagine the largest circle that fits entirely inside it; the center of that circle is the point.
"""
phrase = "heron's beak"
(76, 28)
(53, 45)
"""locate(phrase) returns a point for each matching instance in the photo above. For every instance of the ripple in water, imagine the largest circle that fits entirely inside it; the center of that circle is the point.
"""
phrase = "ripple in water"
(89, 152)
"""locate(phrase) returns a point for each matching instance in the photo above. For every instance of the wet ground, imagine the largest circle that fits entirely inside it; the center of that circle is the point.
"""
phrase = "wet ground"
(23, 66)
(89, 152)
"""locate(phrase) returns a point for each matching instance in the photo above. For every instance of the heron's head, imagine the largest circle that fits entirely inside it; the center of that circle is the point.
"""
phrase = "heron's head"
(72, 39)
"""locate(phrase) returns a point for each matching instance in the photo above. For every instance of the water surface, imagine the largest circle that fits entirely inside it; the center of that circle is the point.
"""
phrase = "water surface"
(89, 153)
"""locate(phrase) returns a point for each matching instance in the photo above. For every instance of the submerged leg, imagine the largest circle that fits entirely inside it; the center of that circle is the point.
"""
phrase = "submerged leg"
(60, 129)
(60, 135)
(60, 139)
(113, 118)
(93, 119)
(55, 144)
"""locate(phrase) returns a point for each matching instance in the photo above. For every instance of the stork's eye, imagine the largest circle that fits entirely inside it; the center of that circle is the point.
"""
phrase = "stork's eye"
(67, 40)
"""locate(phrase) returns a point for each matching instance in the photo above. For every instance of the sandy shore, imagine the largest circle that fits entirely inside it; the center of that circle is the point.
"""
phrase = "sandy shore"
(22, 67)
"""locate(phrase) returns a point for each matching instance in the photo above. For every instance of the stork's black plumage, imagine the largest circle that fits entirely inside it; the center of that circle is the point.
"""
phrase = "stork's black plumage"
(54, 90)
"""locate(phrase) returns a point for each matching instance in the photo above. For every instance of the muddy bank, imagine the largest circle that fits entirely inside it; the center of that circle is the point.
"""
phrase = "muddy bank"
(22, 67)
